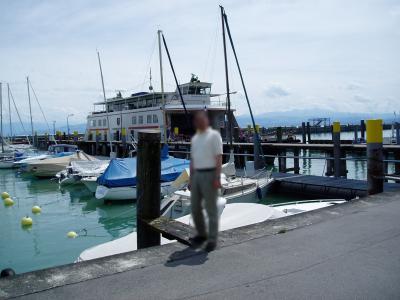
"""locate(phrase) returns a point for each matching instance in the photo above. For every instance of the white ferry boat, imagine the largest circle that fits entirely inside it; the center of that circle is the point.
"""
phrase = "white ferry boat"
(156, 110)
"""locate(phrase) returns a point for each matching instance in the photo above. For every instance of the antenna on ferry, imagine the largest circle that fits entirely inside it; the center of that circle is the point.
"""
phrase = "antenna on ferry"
(112, 154)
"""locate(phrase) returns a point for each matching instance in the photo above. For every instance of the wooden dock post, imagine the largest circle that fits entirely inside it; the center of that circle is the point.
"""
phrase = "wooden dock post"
(148, 187)
(279, 134)
(397, 165)
(343, 164)
(385, 164)
(296, 161)
(308, 133)
(329, 164)
(336, 148)
(375, 156)
(282, 161)
(303, 132)
(355, 134)
(362, 129)
(123, 139)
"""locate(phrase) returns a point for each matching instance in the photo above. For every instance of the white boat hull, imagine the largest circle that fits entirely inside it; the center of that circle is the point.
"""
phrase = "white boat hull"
(116, 193)
(7, 164)
(232, 216)
(90, 183)
(122, 193)
(49, 167)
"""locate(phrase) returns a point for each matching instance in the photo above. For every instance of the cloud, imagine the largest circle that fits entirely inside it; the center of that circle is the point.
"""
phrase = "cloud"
(353, 86)
(276, 91)
(319, 61)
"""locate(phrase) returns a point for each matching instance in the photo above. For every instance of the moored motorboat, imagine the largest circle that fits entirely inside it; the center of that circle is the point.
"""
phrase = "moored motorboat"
(90, 183)
(49, 167)
(77, 170)
(118, 182)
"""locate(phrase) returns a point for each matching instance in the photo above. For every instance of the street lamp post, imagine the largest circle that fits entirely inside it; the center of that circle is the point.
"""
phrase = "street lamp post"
(70, 115)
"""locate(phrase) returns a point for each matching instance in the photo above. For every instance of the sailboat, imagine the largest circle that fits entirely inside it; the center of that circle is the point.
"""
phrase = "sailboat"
(49, 167)
(7, 157)
(77, 171)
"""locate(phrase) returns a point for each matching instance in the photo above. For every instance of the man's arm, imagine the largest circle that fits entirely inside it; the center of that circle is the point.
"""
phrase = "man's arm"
(191, 173)
(218, 166)
(218, 160)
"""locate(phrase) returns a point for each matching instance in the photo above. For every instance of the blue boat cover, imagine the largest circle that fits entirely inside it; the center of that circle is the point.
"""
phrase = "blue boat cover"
(122, 172)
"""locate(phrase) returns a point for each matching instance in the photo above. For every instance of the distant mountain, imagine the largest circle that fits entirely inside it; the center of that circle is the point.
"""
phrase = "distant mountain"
(295, 117)
(41, 128)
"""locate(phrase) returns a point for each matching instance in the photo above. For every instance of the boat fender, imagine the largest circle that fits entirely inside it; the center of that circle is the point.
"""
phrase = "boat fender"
(8, 202)
(5, 195)
(72, 234)
(26, 221)
(259, 193)
(36, 209)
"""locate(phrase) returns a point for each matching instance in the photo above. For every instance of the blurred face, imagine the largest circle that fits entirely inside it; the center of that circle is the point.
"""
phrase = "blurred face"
(201, 121)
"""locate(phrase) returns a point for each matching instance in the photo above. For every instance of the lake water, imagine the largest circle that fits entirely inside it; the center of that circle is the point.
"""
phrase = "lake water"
(74, 208)
(45, 244)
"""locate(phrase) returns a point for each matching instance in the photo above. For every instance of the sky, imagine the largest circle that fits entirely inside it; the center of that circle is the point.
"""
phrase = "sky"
(329, 55)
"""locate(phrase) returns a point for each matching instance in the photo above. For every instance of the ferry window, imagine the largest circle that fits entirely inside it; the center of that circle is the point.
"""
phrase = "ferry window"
(93, 122)
(205, 91)
(148, 118)
(99, 123)
(104, 122)
(118, 121)
(140, 119)
(155, 119)
(133, 120)
(184, 90)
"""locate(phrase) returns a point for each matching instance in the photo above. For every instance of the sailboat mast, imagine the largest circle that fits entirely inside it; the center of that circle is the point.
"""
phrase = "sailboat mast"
(105, 101)
(159, 33)
(176, 80)
(9, 109)
(257, 144)
(227, 80)
(1, 117)
(30, 106)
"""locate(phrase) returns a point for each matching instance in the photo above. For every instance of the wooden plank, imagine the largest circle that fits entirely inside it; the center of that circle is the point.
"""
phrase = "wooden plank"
(173, 230)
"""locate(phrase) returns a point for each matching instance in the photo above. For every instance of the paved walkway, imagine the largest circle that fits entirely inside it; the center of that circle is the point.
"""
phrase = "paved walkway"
(347, 252)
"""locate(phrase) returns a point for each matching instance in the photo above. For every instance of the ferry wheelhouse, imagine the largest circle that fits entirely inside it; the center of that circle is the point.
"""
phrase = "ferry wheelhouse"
(156, 110)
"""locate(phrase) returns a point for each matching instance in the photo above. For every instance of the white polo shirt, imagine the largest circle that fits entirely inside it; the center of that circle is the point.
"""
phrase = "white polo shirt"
(205, 147)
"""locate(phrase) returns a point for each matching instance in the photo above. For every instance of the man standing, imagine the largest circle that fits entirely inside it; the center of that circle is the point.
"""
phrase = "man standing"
(205, 171)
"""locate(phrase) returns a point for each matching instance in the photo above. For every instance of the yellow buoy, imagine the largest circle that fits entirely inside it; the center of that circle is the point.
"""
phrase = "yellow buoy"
(72, 234)
(5, 195)
(8, 202)
(26, 221)
(36, 209)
